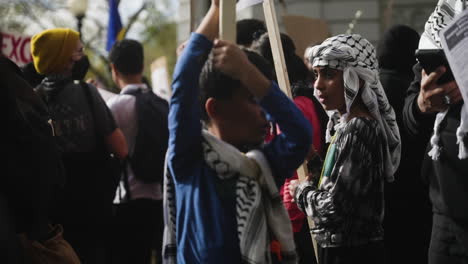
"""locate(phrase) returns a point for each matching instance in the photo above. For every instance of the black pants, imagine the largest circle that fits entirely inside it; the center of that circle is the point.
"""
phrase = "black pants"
(449, 241)
(138, 232)
(366, 254)
(304, 246)
(87, 227)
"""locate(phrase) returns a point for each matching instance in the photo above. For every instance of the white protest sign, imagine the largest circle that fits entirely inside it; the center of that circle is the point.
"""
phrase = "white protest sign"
(247, 3)
(17, 48)
(454, 38)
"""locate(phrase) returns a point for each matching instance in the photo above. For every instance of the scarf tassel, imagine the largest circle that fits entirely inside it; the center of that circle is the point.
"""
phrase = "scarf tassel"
(462, 150)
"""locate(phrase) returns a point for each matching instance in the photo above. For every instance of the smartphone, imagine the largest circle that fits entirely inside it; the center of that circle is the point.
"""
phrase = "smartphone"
(431, 59)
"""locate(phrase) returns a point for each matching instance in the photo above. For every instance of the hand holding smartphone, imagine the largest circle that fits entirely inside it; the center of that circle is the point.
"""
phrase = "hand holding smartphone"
(431, 59)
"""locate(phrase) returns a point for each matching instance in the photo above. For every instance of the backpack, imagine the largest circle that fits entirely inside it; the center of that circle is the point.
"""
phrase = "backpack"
(149, 152)
(96, 171)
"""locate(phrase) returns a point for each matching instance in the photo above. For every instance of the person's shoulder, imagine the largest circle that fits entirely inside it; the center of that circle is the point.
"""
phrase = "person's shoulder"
(120, 99)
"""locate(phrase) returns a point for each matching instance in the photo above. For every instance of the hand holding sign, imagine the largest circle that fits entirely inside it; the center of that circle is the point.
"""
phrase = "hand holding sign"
(229, 59)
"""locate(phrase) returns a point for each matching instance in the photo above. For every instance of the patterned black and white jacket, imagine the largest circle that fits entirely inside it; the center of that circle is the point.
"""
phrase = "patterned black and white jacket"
(348, 204)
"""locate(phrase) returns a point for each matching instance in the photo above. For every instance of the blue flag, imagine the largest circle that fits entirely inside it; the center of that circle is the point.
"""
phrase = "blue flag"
(115, 31)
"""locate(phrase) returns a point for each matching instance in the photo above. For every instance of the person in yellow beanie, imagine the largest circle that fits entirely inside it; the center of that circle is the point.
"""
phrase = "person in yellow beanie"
(86, 134)
(56, 50)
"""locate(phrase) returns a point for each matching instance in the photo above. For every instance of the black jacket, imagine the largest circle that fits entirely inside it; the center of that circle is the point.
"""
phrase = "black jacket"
(448, 176)
(34, 165)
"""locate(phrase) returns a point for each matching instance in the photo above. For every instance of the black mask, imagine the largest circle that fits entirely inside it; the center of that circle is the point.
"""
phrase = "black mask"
(80, 68)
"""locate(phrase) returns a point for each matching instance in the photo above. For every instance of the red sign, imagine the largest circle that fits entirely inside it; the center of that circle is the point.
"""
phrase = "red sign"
(16, 48)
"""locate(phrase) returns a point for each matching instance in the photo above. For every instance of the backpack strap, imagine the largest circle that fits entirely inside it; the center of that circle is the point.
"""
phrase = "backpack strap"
(89, 99)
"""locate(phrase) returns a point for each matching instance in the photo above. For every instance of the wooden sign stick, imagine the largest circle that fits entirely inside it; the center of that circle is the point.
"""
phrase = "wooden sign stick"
(282, 76)
(227, 20)
(192, 16)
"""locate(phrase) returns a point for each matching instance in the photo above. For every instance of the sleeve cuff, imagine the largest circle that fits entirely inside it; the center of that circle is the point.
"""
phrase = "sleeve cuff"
(302, 189)
(201, 40)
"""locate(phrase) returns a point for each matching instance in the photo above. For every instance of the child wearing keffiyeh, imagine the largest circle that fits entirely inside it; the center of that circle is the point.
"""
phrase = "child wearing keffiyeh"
(221, 205)
(347, 204)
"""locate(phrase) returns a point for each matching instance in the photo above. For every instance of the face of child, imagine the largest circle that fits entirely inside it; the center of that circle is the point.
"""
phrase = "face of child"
(243, 119)
(330, 88)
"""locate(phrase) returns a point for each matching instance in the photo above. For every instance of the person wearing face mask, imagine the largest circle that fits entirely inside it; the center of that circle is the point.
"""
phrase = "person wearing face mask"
(86, 135)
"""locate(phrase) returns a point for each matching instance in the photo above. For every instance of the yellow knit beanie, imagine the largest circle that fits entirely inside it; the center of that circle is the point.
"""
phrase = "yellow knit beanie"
(52, 49)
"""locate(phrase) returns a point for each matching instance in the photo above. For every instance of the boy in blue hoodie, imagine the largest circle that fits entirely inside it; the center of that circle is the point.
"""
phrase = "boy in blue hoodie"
(223, 206)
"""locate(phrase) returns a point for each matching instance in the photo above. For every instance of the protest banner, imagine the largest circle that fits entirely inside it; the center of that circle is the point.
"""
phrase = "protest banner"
(17, 48)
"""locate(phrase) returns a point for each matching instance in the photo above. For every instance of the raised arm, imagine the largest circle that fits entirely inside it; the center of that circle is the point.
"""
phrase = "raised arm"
(184, 114)
(209, 27)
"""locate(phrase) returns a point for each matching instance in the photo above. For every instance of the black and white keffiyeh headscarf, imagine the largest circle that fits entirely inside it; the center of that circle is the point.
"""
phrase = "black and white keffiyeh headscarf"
(356, 57)
(443, 14)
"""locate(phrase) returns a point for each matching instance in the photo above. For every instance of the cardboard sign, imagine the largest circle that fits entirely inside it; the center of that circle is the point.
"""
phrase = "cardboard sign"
(17, 48)
(316, 31)
(160, 78)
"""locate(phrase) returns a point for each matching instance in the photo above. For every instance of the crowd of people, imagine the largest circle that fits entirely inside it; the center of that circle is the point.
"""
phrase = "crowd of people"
(210, 176)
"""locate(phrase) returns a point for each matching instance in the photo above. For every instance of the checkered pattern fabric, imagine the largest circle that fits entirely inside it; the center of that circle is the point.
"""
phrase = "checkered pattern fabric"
(443, 14)
(356, 57)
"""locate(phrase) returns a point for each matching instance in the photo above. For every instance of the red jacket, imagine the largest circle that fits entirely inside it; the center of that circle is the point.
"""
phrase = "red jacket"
(308, 109)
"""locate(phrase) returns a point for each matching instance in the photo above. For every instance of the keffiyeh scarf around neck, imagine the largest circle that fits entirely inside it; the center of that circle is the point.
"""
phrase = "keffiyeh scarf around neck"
(443, 14)
(356, 57)
(260, 213)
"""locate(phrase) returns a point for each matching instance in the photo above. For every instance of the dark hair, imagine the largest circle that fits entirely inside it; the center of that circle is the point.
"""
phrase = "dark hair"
(297, 70)
(396, 49)
(248, 30)
(127, 56)
(303, 88)
(215, 84)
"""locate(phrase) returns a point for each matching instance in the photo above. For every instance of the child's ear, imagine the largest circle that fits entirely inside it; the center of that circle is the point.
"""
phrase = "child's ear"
(212, 108)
